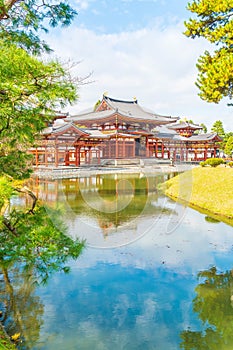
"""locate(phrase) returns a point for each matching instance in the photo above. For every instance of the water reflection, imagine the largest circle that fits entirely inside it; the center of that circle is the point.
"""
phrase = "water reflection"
(22, 309)
(214, 305)
(159, 292)
(107, 210)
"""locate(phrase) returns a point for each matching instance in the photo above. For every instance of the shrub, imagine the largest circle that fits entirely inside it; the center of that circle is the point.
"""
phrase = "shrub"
(230, 164)
(202, 164)
(213, 162)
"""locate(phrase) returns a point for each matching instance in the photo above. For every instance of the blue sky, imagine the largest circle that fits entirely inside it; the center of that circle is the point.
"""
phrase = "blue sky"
(136, 48)
(116, 16)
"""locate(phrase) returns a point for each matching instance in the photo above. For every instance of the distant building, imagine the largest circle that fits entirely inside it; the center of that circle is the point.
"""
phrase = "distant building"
(117, 129)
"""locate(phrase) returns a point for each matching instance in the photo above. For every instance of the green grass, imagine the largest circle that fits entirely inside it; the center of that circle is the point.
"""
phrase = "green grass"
(206, 188)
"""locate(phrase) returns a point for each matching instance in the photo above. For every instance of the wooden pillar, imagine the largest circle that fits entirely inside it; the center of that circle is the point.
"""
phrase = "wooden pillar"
(109, 147)
(123, 150)
(195, 155)
(67, 157)
(162, 150)
(85, 156)
(36, 154)
(205, 152)
(46, 155)
(116, 155)
(77, 155)
(98, 155)
(187, 154)
(169, 153)
(174, 154)
(156, 149)
(147, 148)
(89, 155)
(181, 153)
(56, 156)
(134, 148)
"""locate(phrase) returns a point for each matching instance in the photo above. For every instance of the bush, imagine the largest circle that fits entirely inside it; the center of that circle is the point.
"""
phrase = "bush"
(230, 164)
(213, 162)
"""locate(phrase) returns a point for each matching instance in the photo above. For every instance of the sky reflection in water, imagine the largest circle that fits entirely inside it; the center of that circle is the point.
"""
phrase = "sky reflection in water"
(137, 294)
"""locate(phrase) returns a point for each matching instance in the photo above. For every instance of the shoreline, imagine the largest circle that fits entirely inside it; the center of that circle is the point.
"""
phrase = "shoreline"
(208, 190)
(51, 173)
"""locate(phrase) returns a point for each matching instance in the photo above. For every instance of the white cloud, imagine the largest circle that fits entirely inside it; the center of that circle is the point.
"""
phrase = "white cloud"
(156, 64)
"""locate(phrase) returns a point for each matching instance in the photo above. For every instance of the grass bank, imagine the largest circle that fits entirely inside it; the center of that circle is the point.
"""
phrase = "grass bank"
(210, 189)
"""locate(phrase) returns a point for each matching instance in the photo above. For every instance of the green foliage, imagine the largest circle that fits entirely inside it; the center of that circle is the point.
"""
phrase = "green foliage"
(214, 308)
(33, 235)
(230, 164)
(204, 128)
(21, 22)
(211, 220)
(218, 128)
(213, 162)
(6, 191)
(213, 21)
(97, 105)
(30, 91)
(37, 238)
(229, 146)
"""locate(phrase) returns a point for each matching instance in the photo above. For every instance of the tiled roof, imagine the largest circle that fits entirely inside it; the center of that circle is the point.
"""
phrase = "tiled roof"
(61, 127)
(128, 109)
(185, 125)
(132, 108)
(205, 137)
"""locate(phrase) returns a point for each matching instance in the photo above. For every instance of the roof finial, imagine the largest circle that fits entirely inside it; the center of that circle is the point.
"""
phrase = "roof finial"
(105, 93)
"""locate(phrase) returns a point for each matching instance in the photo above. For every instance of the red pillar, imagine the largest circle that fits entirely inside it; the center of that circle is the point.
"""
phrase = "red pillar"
(147, 148)
(123, 151)
(134, 142)
(36, 156)
(56, 156)
(46, 155)
(156, 149)
(162, 151)
(67, 157)
(77, 155)
(116, 148)
(89, 155)
(205, 153)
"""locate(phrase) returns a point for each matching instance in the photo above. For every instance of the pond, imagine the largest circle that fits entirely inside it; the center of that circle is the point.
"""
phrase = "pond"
(155, 274)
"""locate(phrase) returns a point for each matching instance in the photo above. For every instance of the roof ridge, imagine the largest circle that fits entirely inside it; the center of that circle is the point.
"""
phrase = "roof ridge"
(106, 98)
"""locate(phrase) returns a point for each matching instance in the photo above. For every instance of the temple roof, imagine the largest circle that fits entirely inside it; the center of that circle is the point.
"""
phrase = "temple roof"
(130, 111)
(60, 127)
(185, 125)
(166, 133)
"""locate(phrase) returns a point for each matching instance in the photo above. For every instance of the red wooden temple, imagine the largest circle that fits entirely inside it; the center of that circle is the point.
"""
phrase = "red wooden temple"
(117, 129)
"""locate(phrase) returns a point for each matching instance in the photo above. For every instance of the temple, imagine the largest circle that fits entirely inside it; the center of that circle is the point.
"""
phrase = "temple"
(117, 129)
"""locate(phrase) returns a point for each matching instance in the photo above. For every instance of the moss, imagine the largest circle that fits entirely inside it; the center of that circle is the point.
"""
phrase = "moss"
(206, 188)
